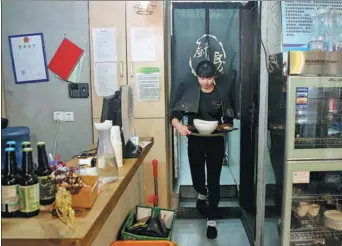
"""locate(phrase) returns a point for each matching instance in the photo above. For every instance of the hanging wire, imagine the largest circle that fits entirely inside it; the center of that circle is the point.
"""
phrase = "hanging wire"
(55, 140)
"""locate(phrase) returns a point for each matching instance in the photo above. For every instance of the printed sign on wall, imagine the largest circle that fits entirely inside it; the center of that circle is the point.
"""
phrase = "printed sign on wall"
(312, 25)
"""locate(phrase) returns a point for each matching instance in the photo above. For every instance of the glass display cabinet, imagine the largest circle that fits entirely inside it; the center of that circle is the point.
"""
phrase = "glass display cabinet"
(305, 128)
(313, 205)
(314, 117)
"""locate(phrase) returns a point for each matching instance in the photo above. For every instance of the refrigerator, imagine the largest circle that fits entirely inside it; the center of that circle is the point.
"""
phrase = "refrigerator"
(305, 145)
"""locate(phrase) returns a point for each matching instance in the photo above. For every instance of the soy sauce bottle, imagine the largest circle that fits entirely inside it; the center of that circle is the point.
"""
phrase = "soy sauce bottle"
(10, 144)
(28, 186)
(47, 186)
(9, 186)
(26, 144)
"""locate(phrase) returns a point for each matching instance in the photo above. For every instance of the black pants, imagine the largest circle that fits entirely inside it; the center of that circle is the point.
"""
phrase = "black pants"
(209, 151)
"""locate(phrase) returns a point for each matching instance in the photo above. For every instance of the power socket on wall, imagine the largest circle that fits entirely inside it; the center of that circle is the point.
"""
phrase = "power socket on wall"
(58, 116)
(68, 116)
(63, 116)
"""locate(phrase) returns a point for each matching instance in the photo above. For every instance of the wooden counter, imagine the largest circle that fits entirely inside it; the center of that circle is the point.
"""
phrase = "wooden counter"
(97, 226)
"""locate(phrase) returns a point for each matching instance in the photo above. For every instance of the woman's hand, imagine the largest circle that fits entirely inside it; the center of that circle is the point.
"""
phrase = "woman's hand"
(183, 130)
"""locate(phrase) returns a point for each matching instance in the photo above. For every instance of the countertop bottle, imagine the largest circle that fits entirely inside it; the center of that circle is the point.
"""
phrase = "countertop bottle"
(10, 144)
(47, 185)
(26, 144)
(28, 186)
(9, 186)
(106, 165)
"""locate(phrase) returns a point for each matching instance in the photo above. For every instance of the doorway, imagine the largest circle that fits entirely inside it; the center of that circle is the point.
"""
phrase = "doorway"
(200, 32)
(226, 33)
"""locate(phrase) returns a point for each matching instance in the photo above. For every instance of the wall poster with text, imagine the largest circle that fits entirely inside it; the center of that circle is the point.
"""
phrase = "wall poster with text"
(312, 25)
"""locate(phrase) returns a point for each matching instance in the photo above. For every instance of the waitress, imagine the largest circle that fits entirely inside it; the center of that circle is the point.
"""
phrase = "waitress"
(206, 102)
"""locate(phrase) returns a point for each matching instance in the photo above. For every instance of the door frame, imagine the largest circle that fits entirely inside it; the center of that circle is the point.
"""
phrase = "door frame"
(262, 129)
(253, 213)
(257, 238)
(169, 8)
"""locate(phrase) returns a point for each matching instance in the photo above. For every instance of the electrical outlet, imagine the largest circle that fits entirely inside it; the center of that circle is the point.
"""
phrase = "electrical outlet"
(68, 116)
(58, 115)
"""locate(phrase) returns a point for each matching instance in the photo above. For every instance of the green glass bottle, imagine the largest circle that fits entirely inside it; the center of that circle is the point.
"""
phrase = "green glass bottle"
(9, 186)
(10, 144)
(25, 144)
(28, 186)
(47, 185)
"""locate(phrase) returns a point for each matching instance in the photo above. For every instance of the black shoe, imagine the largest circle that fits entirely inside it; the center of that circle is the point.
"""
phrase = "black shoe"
(202, 207)
(211, 230)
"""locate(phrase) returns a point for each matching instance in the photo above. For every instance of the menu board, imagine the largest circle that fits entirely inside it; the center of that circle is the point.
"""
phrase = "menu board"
(312, 25)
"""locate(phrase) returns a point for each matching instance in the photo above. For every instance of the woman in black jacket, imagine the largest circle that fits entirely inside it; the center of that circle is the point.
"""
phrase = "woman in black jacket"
(209, 105)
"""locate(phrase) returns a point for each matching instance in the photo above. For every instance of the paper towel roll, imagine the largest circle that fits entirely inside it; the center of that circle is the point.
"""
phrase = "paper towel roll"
(118, 153)
(115, 135)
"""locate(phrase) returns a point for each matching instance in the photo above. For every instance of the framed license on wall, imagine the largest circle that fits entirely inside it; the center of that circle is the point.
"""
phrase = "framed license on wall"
(28, 58)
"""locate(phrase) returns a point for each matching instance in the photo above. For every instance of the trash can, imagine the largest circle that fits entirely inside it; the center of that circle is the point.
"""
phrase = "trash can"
(126, 235)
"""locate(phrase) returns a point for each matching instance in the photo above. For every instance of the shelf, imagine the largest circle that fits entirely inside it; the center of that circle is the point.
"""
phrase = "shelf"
(317, 198)
(305, 230)
(312, 230)
(310, 236)
(323, 142)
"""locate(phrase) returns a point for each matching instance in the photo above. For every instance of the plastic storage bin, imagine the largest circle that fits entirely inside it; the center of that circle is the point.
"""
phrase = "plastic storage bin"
(125, 235)
(18, 134)
(143, 243)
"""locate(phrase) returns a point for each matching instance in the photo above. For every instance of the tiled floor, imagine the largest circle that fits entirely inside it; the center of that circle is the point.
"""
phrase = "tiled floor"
(193, 233)
(271, 233)
(230, 233)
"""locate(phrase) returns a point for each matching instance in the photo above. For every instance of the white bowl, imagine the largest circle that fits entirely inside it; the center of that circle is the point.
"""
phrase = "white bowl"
(205, 127)
(333, 219)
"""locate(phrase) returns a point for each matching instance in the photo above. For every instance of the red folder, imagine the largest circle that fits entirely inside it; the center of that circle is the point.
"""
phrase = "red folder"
(65, 59)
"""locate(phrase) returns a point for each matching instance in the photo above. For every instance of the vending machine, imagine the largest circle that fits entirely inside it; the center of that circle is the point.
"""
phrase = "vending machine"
(305, 128)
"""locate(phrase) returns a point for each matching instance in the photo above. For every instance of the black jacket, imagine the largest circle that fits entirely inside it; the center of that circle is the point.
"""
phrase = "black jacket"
(187, 95)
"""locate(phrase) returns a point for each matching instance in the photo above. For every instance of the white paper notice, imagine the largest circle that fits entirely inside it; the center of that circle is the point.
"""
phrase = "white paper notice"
(143, 44)
(301, 177)
(148, 84)
(105, 44)
(106, 79)
(28, 58)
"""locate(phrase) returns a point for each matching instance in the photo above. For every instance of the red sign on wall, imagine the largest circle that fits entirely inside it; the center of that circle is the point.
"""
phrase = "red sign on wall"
(65, 59)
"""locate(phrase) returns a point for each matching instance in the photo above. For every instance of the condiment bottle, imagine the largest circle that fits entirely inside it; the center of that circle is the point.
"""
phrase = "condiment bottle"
(28, 186)
(10, 144)
(9, 186)
(47, 185)
(107, 168)
(26, 144)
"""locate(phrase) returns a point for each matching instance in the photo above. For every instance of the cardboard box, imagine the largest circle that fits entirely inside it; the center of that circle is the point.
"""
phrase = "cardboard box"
(88, 193)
